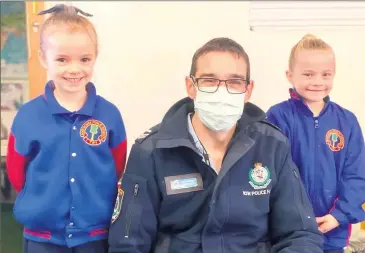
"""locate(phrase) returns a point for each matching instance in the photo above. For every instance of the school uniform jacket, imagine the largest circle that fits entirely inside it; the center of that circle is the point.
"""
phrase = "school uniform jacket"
(330, 154)
(65, 166)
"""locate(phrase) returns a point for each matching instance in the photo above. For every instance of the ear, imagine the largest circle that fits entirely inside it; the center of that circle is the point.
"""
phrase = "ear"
(190, 88)
(42, 59)
(289, 76)
(249, 90)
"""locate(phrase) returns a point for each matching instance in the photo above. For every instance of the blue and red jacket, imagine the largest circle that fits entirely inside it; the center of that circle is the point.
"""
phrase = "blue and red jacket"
(330, 154)
(65, 166)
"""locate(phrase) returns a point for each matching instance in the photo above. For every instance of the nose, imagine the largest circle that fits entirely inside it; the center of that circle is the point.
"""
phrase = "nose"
(74, 68)
(319, 81)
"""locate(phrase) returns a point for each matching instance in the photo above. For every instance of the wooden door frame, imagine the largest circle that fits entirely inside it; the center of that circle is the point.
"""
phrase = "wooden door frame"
(37, 75)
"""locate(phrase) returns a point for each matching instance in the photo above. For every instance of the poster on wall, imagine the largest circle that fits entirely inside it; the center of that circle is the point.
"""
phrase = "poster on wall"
(14, 51)
(14, 63)
(14, 78)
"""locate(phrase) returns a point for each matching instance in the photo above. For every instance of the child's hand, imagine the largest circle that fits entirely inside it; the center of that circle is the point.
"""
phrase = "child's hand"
(327, 223)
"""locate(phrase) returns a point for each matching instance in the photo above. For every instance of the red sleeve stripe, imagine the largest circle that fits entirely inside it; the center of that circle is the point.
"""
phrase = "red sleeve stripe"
(120, 155)
(15, 165)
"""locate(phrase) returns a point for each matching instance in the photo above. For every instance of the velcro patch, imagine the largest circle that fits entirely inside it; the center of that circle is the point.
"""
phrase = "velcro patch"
(147, 133)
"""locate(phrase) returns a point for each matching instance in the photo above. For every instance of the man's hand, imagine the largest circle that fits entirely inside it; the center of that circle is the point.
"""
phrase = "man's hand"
(326, 223)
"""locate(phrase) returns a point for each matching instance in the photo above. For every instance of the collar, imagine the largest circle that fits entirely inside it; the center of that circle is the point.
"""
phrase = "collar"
(295, 95)
(193, 134)
(299, 102)
(87, 109)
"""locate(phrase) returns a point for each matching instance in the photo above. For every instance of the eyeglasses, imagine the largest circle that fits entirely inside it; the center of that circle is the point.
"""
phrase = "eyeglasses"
(211, 85)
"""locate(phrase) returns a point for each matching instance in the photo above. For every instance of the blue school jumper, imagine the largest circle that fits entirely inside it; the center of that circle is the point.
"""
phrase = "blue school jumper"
(65, 166)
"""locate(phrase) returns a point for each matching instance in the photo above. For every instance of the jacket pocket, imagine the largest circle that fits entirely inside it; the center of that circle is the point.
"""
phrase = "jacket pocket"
(304, 204)
(133, 212)
(17, 213)
(133, 186)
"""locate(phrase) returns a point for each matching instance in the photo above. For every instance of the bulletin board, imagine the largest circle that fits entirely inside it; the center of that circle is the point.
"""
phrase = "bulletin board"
(22, 77)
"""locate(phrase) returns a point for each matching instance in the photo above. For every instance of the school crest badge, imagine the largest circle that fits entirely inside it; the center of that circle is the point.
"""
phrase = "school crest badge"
(259, 176)
(93, 132)
(118, 203)
(335, 140)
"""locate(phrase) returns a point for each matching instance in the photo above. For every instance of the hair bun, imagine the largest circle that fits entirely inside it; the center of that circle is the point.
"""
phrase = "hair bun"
(64, 9)
(309, 36)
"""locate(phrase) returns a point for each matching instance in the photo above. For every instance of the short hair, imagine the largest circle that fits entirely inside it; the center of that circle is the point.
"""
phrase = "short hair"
(220, 45)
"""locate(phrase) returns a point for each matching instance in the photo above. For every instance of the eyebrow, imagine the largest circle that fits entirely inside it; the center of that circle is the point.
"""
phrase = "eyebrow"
(237, 76)
(66, 55)
(87, 55)
(326, 70)
(211, 75)
(61, 55)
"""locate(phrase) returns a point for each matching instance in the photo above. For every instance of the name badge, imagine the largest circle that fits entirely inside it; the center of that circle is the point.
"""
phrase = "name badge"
(183, 183)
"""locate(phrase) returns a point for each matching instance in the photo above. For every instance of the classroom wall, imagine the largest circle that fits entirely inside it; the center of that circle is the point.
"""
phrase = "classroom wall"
(146, 50)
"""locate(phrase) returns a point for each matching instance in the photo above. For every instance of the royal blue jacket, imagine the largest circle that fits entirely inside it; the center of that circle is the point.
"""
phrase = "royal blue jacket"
(65, 166)
(171, 201)
(330, 154)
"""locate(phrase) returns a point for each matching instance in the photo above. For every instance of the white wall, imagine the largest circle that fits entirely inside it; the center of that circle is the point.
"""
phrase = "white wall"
(146, 50)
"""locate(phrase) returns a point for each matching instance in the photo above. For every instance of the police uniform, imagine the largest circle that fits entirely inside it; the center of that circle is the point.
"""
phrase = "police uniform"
(171, 200)
(65, 166)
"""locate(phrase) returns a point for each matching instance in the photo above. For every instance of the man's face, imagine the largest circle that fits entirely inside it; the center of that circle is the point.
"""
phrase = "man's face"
(219, 65)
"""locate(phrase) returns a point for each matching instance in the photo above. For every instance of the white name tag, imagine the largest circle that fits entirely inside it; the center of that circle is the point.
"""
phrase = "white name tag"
(183, 183)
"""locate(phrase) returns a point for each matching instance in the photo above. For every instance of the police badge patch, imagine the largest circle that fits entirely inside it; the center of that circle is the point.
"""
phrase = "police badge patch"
(118, 203)
(259, 176)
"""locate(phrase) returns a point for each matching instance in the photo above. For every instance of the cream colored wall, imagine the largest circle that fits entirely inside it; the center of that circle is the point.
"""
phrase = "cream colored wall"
(146, 50)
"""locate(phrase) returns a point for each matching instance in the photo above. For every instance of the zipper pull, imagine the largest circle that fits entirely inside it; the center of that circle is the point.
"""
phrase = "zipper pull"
(136, 189)
(316, 125)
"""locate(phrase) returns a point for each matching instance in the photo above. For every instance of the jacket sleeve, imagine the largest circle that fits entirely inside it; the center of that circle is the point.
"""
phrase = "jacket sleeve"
(292, 222)
(118, 144)
(18, 152)
(134, 221)
(347, 207)
(275, 116)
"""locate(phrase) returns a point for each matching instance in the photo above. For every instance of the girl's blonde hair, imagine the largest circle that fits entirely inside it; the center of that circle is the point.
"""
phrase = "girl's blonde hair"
(308, 42)
(68, 16)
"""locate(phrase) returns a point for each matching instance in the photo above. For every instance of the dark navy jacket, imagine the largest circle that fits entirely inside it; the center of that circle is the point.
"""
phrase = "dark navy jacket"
(170, 201)
(330, 154)
(66, 167)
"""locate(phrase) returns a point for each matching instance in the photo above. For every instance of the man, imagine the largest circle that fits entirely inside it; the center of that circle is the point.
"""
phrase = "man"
(214, 176)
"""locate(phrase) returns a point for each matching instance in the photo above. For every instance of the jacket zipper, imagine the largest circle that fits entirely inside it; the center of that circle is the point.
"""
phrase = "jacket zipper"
(316, 126)
(130, 214)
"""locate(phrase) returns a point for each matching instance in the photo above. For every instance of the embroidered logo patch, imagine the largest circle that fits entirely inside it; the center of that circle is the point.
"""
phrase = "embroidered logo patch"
(259, 176)
(335, 140)
(93, 132)
(118, 203)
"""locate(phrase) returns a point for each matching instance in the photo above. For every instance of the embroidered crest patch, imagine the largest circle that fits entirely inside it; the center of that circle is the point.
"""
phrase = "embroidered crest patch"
(335, 140)
(118, 203)
(259, 176)
(93, 132)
